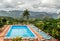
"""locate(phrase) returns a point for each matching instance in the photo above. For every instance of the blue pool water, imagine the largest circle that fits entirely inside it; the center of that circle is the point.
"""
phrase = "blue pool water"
(21, 31)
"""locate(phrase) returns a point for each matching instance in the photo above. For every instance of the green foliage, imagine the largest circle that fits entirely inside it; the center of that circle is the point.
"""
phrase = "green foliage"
(1, 23)
(17, 39)
(51, 26)
(26, 14)
(4, 21)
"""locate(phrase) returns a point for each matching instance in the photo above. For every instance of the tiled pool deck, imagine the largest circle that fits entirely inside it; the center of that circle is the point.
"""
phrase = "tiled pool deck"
(40, 38)
(2, 34)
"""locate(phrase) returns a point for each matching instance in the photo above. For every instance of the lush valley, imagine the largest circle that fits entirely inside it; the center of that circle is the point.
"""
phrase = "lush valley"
(49, 25)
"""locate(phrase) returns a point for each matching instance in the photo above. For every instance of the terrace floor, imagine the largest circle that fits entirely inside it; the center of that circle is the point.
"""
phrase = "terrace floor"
(38, 36)
(2, 34)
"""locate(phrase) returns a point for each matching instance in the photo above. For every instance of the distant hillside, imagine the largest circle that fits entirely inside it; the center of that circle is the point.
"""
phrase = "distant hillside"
(18, 14)
(7, 17)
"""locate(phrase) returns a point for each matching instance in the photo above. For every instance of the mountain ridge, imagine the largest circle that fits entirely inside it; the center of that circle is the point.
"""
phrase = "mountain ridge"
(18, 14)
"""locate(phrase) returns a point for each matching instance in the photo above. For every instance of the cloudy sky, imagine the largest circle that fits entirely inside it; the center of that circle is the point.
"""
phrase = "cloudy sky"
(33, 5)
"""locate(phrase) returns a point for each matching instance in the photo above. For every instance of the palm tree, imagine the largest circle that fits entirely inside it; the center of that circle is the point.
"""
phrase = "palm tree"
(26, 14)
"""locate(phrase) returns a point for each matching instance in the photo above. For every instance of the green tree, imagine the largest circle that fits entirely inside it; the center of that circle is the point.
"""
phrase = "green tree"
(1, 23)
(26, 14)
(4, 21)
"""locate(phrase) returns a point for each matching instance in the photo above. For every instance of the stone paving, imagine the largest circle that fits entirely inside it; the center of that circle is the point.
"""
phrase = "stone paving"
(2, 34)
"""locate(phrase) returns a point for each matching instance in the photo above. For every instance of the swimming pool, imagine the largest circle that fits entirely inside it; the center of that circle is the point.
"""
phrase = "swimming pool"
(20, 31)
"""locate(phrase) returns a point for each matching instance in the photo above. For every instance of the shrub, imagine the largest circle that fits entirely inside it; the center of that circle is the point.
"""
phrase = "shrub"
(17, 39)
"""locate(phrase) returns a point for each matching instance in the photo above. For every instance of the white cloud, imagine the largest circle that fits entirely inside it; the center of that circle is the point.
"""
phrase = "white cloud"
(7, 1)
(34, 5)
